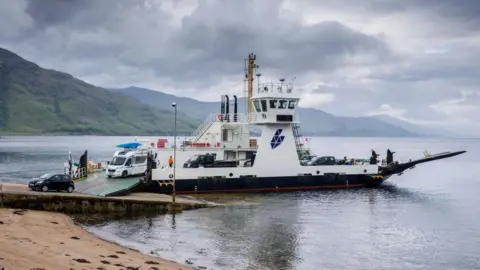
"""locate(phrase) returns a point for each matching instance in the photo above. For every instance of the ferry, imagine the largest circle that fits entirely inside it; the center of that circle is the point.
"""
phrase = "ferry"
(276, 163)
(225, 134)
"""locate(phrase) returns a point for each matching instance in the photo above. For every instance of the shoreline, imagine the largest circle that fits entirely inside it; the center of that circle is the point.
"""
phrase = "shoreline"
(39, 239)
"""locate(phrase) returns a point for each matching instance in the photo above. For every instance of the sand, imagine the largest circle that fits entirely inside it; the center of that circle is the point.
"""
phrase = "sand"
(44, 240)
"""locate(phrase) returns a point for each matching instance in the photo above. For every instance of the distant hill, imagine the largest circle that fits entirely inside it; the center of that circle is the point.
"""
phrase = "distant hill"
(313, 122)
(192, 107)
(34, 100)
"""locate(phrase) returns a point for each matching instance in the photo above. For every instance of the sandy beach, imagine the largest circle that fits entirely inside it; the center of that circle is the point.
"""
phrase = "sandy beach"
(45, 240)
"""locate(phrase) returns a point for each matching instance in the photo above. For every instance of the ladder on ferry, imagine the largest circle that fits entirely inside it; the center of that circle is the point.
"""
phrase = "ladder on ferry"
(297, 134)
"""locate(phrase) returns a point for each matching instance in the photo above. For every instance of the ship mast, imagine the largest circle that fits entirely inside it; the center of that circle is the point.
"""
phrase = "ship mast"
(250, 68)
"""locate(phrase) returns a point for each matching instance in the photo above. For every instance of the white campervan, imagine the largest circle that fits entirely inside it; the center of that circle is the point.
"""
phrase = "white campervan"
(127, 163)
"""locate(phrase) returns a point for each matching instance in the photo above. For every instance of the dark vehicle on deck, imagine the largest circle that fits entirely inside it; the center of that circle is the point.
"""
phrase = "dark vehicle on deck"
(306, 158)
(52, 181)
(325, 160)
(209, 161)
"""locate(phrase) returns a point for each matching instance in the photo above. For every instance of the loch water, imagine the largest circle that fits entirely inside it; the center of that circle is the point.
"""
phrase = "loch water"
(427, 218)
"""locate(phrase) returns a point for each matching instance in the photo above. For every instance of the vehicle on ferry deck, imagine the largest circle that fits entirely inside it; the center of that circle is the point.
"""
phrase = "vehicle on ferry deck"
(326, 160)
(126, 163)
(209, 160)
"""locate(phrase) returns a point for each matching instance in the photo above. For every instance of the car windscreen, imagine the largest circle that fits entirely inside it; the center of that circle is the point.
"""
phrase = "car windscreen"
(117, 161)
(193, 158)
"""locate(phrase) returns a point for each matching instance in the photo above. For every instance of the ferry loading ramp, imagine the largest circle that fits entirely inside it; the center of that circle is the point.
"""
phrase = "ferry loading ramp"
(98, 184)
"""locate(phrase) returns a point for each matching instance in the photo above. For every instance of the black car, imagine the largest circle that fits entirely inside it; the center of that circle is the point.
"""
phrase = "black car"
(52, 181)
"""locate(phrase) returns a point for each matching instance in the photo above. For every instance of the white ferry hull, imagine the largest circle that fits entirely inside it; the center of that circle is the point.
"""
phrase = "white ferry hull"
(278, 170)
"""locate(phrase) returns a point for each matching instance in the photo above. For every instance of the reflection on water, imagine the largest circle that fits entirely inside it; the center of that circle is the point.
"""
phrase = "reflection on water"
(425, 219)
(388, 227)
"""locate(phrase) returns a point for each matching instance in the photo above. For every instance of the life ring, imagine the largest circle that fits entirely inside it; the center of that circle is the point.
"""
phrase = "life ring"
(220, 117)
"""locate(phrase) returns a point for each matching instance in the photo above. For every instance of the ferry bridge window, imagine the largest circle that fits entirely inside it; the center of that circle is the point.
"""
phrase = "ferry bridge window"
(273, 104)
(264, 105)
(283, 104)
(284, 118)
(257, 105)
(291, 104)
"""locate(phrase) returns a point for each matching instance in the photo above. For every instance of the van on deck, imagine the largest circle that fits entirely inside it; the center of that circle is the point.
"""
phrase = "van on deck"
(127, 163)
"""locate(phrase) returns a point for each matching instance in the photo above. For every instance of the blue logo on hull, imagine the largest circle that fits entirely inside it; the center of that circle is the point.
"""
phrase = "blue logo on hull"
(277, 139)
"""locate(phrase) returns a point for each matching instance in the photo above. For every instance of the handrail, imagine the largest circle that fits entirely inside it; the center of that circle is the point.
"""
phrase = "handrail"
(79, 173)
(273, 87)
(209, 120)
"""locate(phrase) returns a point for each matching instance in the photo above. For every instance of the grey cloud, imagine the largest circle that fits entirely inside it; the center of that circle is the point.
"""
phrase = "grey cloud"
(413, 97)
(13, 20)
(322, 47)
(104, 38)
(456, 64)
(210, 43)
(53, 12)
(471, 98)
(81, 15)
(464, 12)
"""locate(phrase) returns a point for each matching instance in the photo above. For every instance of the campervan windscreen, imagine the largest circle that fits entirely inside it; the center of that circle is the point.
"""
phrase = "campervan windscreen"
(116, 161)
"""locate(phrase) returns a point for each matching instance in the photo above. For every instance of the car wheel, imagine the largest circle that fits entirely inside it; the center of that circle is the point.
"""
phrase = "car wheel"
(124, 174)
(44, 188)
(109, 176)
(70, 189)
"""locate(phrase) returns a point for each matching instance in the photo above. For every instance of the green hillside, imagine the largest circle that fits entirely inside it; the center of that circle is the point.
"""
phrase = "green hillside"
(34, 100)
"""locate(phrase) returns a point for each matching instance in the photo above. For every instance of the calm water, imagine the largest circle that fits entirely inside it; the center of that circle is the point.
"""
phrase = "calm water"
(425, 219)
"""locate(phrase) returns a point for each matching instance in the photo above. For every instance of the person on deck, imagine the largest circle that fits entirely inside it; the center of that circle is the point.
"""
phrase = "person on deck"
(170, 161)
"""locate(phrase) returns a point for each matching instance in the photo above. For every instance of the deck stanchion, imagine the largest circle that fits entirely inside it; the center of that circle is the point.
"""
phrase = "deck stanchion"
(1, 197)
(174, 105)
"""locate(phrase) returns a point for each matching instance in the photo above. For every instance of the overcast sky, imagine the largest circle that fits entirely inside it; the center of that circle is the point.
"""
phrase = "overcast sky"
(417, 60)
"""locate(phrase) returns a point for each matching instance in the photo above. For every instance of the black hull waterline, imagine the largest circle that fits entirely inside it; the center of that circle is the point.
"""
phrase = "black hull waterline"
(259, 184)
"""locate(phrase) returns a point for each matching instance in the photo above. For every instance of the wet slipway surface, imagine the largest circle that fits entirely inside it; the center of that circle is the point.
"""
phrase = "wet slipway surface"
(425, 219)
